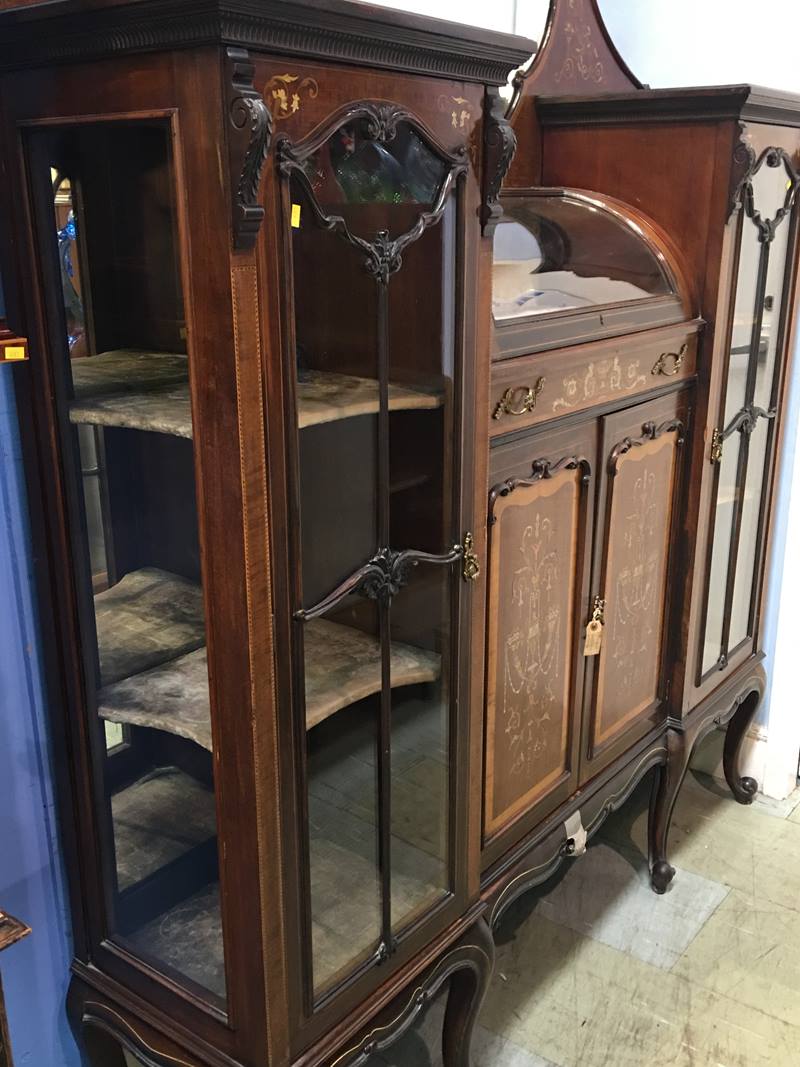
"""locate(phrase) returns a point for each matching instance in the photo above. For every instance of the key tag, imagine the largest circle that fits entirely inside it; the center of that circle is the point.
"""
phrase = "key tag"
(594, 629)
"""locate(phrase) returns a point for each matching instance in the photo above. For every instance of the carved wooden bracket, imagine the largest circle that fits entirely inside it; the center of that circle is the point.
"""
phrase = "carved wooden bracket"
(499, 145)
(249, 137)
(744, 159)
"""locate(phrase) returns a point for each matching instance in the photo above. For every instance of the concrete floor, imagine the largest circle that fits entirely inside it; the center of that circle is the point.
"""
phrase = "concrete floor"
(595, 970)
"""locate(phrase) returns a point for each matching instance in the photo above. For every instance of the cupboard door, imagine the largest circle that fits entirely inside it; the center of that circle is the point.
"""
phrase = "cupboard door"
(743, 441)
(374, 208)
(539, 514)
(641, 451)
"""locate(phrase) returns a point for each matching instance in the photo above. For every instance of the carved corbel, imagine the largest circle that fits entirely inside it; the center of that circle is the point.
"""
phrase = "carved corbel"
(249, 137)
(744, 160)
(499, 145)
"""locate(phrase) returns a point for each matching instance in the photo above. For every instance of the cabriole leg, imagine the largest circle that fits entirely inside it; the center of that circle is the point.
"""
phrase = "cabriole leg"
(662, 803)
(743, 788)
(468, 988)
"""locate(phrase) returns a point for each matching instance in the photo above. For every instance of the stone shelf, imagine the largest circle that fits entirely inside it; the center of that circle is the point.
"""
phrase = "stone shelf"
(150, 391)
(343, 666)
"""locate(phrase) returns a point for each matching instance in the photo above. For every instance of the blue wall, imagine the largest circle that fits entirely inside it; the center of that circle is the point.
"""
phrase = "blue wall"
(35, 971)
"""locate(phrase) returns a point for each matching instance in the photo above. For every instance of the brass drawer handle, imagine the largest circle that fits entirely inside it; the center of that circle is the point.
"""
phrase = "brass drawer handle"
(472, 568)
(524, 396)
(670, 363)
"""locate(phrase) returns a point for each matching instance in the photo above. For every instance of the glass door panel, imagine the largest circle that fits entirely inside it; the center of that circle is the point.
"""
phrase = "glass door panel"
(109, 233)
(420, 743)
(742, 443)
(744, 317)
(342, 683)
(373, 224)
(723, 532)
(751, 504)
(771, 308)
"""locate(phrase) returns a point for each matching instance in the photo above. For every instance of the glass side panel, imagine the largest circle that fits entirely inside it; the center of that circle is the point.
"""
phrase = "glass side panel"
(723, 529)
(128, 425)
(559, 252)
(748, 537)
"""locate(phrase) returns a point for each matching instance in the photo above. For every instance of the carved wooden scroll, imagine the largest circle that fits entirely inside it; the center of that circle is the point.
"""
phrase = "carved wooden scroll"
(499, 145)
(249, 137)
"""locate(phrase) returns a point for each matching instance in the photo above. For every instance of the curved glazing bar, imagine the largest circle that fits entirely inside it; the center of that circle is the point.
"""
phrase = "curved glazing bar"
(565, 251)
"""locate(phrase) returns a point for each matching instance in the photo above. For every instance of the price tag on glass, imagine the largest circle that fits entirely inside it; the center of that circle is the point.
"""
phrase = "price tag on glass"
(14, 351)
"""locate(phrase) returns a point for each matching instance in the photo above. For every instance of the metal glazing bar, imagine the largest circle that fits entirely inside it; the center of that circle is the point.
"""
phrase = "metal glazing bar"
(385, 721)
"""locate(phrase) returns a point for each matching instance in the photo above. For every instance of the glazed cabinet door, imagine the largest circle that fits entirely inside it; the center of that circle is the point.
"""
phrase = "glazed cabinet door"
(540, 522)
(374, 213)
(635, 529)
(743, 441)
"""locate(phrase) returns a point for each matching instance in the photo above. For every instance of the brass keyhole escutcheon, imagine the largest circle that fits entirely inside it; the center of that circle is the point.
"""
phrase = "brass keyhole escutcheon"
(519, 400)
(669, 363)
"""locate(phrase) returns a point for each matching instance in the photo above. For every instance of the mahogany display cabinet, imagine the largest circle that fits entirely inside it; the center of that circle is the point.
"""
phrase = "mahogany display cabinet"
(396, 508)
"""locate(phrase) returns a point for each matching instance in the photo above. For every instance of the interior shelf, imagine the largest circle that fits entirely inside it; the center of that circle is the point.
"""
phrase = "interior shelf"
(134, 390)
(150, 391)
(343, 665)
(325, 397)
(148, 618)
(158, 819)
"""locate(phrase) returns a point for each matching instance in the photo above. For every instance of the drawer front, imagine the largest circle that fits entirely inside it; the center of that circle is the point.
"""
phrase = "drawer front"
(533, 389)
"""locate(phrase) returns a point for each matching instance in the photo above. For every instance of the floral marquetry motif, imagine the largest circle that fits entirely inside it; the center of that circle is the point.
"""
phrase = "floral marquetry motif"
(640, 511)
(600, 381)
(531, 611)
(287, 93)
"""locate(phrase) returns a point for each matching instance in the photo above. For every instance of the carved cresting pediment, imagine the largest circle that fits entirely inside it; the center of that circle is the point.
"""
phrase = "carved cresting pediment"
(499, 145)
(249, 136)
(577, 56)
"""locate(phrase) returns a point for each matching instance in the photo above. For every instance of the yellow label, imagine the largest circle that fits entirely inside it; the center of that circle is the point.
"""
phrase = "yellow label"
(296, 216)
(14, 352)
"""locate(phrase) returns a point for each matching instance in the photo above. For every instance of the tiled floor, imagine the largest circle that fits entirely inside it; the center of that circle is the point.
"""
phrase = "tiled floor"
(595, 970)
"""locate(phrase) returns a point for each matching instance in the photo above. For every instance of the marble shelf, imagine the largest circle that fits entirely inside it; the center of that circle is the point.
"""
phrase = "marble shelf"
(150, 391)
(148, 618)
(342, 666)
(325, 397)
(134, 390)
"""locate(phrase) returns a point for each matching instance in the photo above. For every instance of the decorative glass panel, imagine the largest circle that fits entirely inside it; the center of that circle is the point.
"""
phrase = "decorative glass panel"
(742, 443)
(127, 419)
(723, 531)
(567, 251)
(374, 260)
(748, 536)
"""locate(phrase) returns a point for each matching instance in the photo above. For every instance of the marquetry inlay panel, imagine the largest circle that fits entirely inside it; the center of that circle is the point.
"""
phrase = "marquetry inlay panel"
(533, 572)
(640, 512)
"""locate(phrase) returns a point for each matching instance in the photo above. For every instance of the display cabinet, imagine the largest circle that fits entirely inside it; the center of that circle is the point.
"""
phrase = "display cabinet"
(396, 507)
(250, 279)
